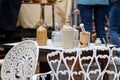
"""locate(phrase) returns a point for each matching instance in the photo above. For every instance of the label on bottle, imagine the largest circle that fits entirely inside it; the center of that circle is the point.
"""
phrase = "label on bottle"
(42, 36)
(67, 37)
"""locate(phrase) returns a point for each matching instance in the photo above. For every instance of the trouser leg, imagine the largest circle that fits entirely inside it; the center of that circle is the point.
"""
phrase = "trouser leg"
(100, 11)
(86, 17)
(114, 25)
(11, 10)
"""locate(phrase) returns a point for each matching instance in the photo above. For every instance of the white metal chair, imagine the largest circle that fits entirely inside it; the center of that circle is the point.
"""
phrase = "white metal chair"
(97, 63)
(59, 65)
(76, 66)
(43, 76)
(20, 62)
(54, 60)
(69, 61)
(114, 68)
(54, 63)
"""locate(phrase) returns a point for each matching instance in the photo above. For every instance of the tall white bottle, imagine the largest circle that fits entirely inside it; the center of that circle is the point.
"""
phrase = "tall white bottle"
(67, 36)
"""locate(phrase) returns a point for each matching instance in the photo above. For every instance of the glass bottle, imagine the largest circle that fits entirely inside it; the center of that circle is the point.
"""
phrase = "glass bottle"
(56, 36)
(41, 34)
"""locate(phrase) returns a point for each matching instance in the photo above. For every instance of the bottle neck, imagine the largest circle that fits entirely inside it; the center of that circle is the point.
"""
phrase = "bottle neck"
(68, 20)
(41, 22)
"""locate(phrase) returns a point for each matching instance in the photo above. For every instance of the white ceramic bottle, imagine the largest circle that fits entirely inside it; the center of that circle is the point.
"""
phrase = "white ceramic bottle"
(67, 36)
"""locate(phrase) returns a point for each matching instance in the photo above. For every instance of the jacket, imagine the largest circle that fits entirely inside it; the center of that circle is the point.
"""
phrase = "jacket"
(93, 2)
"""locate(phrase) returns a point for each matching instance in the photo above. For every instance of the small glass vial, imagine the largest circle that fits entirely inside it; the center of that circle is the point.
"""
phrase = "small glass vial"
(97, 42)
(56, 36)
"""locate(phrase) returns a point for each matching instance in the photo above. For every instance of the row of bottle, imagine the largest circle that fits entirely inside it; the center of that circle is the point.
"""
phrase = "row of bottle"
(67, 37)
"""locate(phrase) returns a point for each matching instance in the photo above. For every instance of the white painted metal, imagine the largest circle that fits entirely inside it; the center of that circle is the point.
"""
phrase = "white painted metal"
(20, 62)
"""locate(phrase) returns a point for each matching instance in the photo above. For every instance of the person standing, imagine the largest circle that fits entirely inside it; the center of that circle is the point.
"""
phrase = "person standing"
(9, 10)
(97, 9)
(114, 23)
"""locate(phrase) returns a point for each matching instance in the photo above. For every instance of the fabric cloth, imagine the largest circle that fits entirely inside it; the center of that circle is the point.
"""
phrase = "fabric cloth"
(29, 14)
(93, 2)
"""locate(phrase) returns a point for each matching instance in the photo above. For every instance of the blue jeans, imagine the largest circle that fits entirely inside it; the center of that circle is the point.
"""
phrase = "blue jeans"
(114, 24)
(99, 11)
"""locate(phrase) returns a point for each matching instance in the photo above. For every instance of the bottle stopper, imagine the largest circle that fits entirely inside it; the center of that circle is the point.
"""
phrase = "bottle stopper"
(82, 27)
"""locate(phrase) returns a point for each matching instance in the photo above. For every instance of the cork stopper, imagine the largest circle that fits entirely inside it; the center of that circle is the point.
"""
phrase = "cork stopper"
(82, 27)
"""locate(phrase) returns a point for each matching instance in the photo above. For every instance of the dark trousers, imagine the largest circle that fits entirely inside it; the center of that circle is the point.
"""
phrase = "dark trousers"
(87, 13)
(9, 10)
(114, 24)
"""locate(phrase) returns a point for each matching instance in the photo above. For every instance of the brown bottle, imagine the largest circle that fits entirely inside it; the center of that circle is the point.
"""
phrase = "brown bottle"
(41, 34)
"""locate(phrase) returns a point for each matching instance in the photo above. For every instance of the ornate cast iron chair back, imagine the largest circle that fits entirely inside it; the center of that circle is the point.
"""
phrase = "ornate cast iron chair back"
(20, 62)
